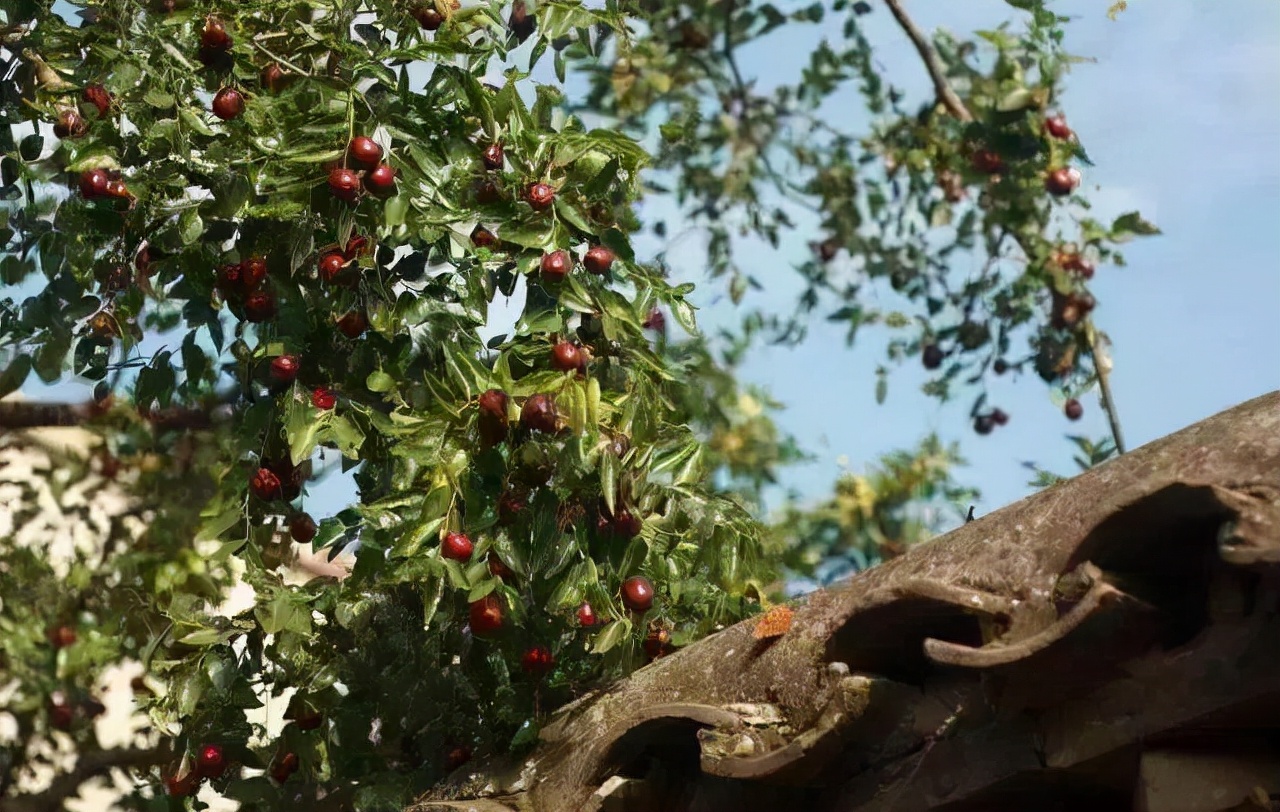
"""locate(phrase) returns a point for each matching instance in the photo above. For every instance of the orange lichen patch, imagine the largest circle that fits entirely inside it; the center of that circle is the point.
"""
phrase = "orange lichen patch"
(774, 623)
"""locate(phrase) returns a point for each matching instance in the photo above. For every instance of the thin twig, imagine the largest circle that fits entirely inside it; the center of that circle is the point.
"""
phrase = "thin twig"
(932, 63)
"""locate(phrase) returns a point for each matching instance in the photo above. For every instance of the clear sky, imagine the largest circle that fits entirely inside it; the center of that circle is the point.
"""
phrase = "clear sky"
(1181, 115)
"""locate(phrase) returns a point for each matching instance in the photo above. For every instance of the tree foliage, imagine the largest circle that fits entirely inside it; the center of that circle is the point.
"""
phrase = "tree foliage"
(277, 238)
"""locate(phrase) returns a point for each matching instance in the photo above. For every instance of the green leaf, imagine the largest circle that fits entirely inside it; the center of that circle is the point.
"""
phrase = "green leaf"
(1131, 224)
(683, 311)
(283, 613)
(190, 226)
(612, 635)
(15, 375)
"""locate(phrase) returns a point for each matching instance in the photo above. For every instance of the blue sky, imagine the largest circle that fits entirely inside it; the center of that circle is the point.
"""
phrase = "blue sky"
(1181, 115)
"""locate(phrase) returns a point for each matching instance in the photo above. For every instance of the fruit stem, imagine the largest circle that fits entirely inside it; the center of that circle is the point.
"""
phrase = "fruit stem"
(946, 96)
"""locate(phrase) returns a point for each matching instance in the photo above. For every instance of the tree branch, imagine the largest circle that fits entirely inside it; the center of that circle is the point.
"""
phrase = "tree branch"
(21, 414)
(932, 63)
(88, 765)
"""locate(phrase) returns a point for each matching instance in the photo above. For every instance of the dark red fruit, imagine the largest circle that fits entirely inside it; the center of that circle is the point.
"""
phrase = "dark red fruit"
(521, 22)
(93, 183)
(637, 594)
(331, 265)
(983, 424)
(252, 272)
(986, 162)
(306, 718)
(510, 506)
(228, 103)
(381, 181)
(429, 17)
(498, 568)
(537, 661)
(487, 193)
(657, 644)
(492, 156)
(264, 484)
(356, 246)
(260, 306)
(540, 196)
(210, 761)
(364, 152)
(456, 547)
(284, 368)
(1056, 127)
(116, 188)
(485, 615)
(555, 266)
(482, 237)
(1062, 181)
(1000, 367)
(344, 184)
(655, 321)
(61, 714)
(539, 414)
(273, 78)
(323, 398)
(214, 36)
(69, 125)
(999, 416)
(353, 324)
(1073, 409)
(626, 524)
(493, 403)
(1076, 263)
(290, 477)
(302, 528)
(493, 421)
(587, 615)
(228, 279)
(932, 356)
(598, 260)
(61, 636)
(182, 786)
(566, 356)
(456, 757)
(284, 766)
(98, 96)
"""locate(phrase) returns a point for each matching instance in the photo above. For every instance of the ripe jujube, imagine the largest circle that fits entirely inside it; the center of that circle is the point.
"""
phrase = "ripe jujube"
(264, 484)
(260, 306)
(93, 183)
(353, 324)
(567, 356)
(98, 96)
(228, 103)
(302, 528)
(1073, 409)
(214, 35)
(252, 273)
(284, 368)
(1056, 127)
(637, 594)
(364, 152)
(540, 196)
(381, 181)
(485, 615)
(211, 762)
(493, 422)
(1062, 181)
(598, 260)
(331, 265)
(539, 414)
(537, 661)
(284, 766)
(482, 237)
(555, 266)
(931, 356)
(70, 125)
(586, 615)
(456, 547)
(344, 184)
(492, 156)
(323, 398)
